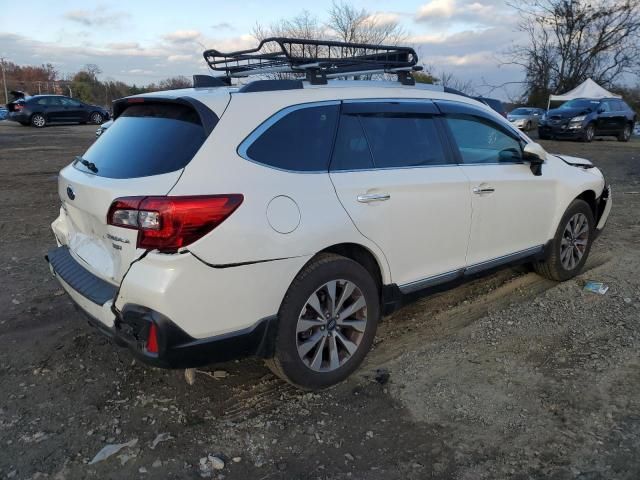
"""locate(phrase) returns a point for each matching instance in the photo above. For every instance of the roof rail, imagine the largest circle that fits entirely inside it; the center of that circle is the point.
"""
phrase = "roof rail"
(317, 59)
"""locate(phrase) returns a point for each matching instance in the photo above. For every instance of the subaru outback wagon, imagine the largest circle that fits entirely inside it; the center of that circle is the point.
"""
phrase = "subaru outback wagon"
(283, 219)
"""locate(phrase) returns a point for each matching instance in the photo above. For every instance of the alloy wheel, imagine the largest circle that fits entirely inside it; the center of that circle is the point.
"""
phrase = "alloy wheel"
(627, 132)
(38, 121)
(590, 133)
(96, 118)
(574, 241)
(331, 325)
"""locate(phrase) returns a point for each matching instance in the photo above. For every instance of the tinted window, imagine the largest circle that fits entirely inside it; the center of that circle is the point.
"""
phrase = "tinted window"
(605, 107)
(299, 141)
(481, 141)
(398, 140)
(69, 102)
(522, 111)
(147, 139)
(44, 101)
(351, 151)
(581, 103)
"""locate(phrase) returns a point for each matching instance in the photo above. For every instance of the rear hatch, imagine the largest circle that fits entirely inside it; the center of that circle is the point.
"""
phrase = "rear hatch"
(142, 154)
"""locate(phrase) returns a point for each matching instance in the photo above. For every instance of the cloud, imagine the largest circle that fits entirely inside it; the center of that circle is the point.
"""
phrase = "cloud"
(436, 9)
(222, 26)
(385, 18)
(179, 58)
(98, 17)
(182, 36)
(124, 46)
(138, 71)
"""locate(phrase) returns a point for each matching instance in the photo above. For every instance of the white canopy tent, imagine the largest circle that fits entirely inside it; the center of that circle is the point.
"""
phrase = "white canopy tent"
(587, 89)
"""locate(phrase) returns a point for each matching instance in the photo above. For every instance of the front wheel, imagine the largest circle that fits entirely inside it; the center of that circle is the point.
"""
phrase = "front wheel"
(327, 323)
(589, 133)
(625, 135)
(571, 245)
(97, 118)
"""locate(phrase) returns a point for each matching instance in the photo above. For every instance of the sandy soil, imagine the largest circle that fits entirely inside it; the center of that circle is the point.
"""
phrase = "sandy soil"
(509, 376)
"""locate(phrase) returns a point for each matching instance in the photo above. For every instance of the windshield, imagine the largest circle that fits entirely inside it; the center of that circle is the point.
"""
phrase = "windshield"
(522, 111)
(581, 103)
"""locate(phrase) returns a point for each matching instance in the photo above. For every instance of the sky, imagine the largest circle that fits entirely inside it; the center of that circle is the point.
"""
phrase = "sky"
(145, 41)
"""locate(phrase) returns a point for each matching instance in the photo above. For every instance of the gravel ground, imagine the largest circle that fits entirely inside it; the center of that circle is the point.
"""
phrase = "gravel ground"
(508, 376)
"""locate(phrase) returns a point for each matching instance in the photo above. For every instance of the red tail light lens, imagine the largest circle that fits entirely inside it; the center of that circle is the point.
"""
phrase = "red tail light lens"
(18, 107)
(152, 339)
(169, 223)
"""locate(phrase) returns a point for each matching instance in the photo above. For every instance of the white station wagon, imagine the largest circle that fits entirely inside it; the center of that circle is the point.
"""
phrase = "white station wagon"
(284, 218)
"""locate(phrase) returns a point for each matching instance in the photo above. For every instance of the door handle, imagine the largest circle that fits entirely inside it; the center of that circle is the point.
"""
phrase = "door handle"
(373, 197)
(482, 190)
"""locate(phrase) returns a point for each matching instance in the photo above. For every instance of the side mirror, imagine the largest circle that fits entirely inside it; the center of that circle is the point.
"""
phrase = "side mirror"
(536, 156)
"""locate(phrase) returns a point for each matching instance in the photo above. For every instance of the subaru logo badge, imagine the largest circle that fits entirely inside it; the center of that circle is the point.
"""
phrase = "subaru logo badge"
(70, 193)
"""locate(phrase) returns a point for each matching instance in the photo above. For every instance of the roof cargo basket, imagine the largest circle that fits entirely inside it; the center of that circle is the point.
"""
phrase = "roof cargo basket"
(318, 60)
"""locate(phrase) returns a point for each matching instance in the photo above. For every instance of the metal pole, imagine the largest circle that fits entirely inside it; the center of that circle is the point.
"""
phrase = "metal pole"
(39, 89)
(70, 92)
(4, 82)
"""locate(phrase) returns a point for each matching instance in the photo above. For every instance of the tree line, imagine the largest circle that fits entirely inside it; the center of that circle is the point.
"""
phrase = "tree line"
(83, 84)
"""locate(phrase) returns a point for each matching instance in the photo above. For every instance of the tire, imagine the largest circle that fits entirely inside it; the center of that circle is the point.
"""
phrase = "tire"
(625, 134)
(589, 133)
(527, 127)
(297, 351)
(557, 266)
(97, 118)
(38, 120)
(542, 136)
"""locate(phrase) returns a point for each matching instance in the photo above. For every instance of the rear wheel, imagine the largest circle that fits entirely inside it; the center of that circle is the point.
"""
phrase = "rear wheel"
(625, 134)
(97, 118)
(571, 245)
(327, 323)
(38, 120)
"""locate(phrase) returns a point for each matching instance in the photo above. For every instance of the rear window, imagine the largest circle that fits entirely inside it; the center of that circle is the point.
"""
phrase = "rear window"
(147, 139)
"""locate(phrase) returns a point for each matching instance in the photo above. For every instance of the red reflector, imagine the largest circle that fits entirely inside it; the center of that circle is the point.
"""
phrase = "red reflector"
(152, 339)
(170, 223)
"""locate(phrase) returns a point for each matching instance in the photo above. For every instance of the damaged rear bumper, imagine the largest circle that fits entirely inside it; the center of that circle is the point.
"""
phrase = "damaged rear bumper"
(130, 327)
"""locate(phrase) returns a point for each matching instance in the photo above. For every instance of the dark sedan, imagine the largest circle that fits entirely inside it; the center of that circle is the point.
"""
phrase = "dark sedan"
(585, 118)
(40, 110)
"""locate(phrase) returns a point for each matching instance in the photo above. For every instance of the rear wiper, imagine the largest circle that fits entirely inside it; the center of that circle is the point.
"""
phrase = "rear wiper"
(90, 165)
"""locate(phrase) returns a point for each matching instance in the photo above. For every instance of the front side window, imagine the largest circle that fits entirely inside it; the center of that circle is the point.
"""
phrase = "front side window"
(300, 140)
(481, 141)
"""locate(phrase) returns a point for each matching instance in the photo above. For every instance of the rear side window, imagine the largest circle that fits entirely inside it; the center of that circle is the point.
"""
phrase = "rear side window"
(298, 140)
(147, 139)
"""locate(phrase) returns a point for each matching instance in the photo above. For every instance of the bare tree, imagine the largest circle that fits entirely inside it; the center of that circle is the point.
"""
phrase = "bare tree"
(349, 24)
(572, 40)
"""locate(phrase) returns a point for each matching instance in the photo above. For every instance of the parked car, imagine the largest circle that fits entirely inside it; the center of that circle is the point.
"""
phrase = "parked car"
(525, 118)
(586, 118)
(41, 110)
(284, 218)
(494, 103)
(4, 113)
(103, 127)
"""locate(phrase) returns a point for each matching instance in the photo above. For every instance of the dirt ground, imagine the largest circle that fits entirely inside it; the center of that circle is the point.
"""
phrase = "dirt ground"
(509, 376)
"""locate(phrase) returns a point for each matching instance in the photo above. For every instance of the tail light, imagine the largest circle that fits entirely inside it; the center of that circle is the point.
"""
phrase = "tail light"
(152, 339)
(18, 107)
(169, 223)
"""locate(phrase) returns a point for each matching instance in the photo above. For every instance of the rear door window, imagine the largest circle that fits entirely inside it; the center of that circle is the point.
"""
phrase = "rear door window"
(297, 139)
(147, 139)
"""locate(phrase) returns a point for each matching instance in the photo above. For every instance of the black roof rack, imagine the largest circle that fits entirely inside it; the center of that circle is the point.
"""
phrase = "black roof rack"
(317, 59)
